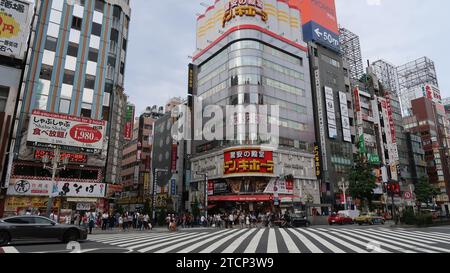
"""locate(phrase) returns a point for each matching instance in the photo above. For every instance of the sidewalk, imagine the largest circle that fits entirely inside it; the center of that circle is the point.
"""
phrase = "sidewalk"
(157, 229)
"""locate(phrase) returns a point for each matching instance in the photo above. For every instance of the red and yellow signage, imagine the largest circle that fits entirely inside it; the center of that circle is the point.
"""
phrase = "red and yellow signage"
(73, 158)
(240, 8)
(248, 161)
(8, 26)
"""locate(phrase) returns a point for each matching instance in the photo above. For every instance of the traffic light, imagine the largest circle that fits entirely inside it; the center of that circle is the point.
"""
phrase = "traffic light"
(393, 188)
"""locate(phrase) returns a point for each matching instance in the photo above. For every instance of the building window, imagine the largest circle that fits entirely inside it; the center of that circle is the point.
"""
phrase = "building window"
(86, 110)
(96, 29)
(72, 50)
(4, 93)
(122, 68)
(46, 72)
(89, 82)
(69, 77)
(50, 43)
(124, 44)
(99, 5)
(77, 23)
(64, 106)
(93, 55)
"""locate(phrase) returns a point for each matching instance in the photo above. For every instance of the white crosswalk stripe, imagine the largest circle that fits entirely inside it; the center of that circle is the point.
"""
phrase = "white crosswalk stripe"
(274, 240)
(291, 246)
(327, 244)
(232, 248)
(251, 248)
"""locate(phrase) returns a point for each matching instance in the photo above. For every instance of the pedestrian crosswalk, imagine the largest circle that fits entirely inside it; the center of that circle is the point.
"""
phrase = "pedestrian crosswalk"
(299, 240)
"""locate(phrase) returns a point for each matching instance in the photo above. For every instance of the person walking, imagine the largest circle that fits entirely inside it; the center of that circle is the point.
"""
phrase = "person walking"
(230, 220)
(91, 221)
(105, 218)
(120, 221)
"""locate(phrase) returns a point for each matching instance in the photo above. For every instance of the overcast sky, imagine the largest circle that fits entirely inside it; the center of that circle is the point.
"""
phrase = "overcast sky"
(162, 38)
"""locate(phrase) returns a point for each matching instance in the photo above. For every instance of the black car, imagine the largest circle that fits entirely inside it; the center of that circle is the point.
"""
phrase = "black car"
(298, 220)
(27, 228)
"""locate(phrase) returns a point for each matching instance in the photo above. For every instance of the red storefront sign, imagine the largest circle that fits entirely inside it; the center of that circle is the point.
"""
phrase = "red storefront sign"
(174, 157)
(210, 188)
(73, 158)
(242, 198)
(248, 161)
(391, 119)
(128, 131)
(357, 100)
(429, 92)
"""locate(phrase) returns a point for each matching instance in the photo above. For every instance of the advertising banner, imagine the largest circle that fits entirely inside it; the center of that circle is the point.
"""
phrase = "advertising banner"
(112, 189)
(248, 161)
(61, 129)
(83, 206)
(27, 187)
(280, 186)
(331, 113)
(73, 157)
(129, 120)
(323, 12)
(345, 117)
(15, 19)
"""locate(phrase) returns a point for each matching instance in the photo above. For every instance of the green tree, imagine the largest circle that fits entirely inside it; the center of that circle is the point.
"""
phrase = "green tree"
(424, 192)
(362, 182)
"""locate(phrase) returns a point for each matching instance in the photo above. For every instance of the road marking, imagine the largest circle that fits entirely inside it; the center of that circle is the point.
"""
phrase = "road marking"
(10, 250)
(272, 246)
(151, 239)
(409, 237)
(232, 248)
(396, 241)
(421, 236)
(308, 244)
(291, 246)
(341, 242)
(253, 245)
(120, 240)
(384, 242)
(164, 242)
(358, 242)
(217, 244)
(438, 234)
(211, 237)
(399, 237)
(331, 247)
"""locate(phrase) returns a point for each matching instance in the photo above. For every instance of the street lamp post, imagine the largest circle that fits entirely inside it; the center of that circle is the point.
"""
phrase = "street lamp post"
(206, 192)
(153, 190)
(344, 185)
(56, 165)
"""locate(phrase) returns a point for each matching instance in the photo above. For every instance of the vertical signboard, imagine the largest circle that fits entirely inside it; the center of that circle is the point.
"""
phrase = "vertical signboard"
(317, 160)
(15, 19)
(345, 117)
(321, 118)
(129, 120)
(331, 113)
(174, 157)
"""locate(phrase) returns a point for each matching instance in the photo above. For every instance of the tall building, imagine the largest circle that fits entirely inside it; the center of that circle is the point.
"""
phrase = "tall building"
(136, 161)
(429, 120)
(15, 24)
(246, 61)
(332, 99)
(417, 79)
(351, 52)
(74, 81)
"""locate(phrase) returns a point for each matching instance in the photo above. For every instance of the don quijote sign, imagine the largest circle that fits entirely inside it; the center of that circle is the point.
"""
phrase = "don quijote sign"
(251, 8)
(61, 129)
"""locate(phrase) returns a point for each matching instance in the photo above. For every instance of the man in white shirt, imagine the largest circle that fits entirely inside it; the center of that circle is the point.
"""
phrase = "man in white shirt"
(105, 217)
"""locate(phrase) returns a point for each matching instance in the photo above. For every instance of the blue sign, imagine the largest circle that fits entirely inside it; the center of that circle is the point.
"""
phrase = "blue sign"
(316, 33)
(173, 187)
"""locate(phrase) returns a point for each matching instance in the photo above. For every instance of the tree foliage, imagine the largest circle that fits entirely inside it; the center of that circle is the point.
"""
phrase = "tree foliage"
(424, 191)
(362, 181)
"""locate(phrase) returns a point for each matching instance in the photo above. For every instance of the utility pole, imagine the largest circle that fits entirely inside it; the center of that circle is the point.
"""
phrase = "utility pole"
(55, 166)
(344, 185)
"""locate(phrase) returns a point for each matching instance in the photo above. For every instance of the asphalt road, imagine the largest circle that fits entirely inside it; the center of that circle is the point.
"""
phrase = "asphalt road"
(317, 239)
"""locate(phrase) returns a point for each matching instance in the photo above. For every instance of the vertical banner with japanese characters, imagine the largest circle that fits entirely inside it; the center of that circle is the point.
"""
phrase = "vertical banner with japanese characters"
(15, 18)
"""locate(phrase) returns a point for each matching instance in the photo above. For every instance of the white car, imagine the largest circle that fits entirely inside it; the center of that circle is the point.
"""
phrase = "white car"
(350, 213)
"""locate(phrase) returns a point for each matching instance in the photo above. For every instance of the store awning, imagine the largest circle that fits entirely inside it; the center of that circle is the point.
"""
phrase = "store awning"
(242, 198)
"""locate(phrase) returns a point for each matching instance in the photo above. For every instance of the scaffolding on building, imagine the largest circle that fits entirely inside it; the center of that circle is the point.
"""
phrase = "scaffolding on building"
(351, 52)
(416, 73)
(387, 74)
